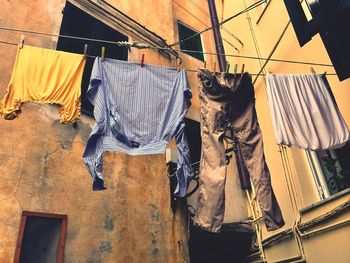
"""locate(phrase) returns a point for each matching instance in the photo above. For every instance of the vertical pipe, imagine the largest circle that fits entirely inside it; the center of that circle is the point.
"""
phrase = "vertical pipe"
(217, 35)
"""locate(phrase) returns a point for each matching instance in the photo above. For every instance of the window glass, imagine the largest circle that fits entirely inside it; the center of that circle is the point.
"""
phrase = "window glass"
(40, 240)
(194, 43)
(335, 165)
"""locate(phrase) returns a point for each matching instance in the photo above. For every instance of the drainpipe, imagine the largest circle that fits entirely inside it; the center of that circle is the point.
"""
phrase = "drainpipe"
(217, 35)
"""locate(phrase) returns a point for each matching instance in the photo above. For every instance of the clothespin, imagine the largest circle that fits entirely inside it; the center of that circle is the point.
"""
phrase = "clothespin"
(313, 71)
(269, 70)
(142, 60)
(103, 54)
(214, 66)
(178, 63)
(234, 75)
(22, 41)
(227, 67)
(85, 50)
(242, 70)
(235, 69)
(205, 64)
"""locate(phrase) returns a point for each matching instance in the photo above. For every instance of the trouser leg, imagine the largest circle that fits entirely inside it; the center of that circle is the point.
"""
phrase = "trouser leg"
(210, 205)
(250, 139)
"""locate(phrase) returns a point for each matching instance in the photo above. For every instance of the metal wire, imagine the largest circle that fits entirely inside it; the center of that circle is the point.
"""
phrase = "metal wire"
(256, 4)
(224, 28)
(188, 70)
(121, 43)
(200, 21)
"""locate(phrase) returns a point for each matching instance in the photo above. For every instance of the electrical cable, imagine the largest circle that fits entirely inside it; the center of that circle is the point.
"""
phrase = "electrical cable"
(200, 21)
(208, 15)
(256, 4)
(273, 50)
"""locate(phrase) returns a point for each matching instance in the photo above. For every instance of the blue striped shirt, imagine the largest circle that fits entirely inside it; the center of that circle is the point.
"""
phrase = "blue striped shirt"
(137, 110)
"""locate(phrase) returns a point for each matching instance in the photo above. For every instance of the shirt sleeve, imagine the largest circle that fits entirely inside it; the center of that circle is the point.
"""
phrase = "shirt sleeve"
(184, 172)
(92, 156)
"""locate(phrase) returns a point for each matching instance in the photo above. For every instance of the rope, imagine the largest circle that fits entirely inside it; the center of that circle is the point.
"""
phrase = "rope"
(141, 46)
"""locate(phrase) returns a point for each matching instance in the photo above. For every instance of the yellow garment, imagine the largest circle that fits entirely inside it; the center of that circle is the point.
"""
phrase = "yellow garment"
(45, 76)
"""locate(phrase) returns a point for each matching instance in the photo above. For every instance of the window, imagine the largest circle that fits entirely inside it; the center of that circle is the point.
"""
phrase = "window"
(331, 169)
(194, 43)
(76, 22)
(335, 165)
(41, 238)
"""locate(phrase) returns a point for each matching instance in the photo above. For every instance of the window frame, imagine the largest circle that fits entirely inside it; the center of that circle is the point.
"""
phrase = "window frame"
(178, 23)
(320, 183)
(62, 236)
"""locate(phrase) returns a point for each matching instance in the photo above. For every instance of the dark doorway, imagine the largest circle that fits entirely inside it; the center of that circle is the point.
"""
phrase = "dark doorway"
(41, 238)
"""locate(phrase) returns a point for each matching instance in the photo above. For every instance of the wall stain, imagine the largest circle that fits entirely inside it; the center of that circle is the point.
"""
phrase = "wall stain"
(96, 256)
(65, 134)
(84, 130)
(108, 223)
(106, 246)
(154, 212)
(155, 250)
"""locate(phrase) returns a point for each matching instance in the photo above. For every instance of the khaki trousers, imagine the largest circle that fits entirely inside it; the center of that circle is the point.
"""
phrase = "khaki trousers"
(225, 103)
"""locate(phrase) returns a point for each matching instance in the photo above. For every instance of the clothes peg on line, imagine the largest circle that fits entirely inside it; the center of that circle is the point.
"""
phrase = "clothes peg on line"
(22, 41)
(103, 54)
(234, 75)
(142, 60)
(313, 71)
(205, 65)
(85, 50)
(242, 70)
(214, 66)
(178, 63)
(227, 67)
(235, 69)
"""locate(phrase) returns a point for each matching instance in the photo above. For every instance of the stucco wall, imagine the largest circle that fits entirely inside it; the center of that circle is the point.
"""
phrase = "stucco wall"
(259, 38)
(42, 170)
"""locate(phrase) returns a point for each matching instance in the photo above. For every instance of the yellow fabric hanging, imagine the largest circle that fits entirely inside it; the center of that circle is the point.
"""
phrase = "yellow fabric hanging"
(45, 76)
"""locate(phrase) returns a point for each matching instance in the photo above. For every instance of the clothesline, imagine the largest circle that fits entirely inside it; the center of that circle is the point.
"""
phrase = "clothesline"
(143, 45)
(137, 45)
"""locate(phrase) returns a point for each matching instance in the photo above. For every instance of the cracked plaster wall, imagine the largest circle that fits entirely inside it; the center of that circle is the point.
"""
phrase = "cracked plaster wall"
(41, 170)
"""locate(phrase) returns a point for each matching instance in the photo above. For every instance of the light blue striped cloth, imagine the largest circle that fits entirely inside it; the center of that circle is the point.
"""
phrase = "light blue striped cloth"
(137, 111)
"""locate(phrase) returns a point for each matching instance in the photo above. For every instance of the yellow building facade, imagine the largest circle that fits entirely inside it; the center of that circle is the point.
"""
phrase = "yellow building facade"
(40, 160)
(293, 171)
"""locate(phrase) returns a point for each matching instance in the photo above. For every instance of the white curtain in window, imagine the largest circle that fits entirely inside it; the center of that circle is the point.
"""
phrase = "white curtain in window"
(304, 112)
